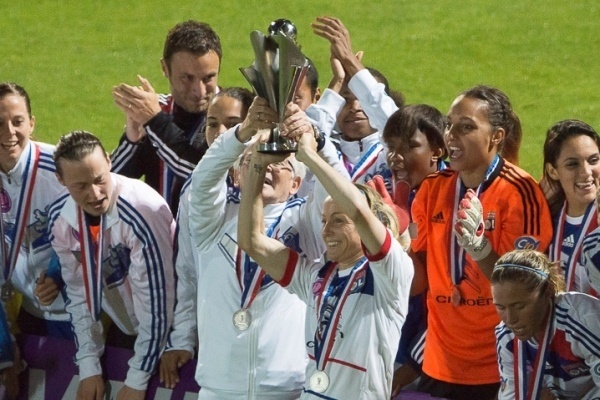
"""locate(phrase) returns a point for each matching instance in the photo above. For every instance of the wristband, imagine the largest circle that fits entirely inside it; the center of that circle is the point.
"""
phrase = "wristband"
(481, 251)
(319, 137)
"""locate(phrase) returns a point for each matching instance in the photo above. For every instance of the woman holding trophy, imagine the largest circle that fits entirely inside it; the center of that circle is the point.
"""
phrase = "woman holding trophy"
(357, 301)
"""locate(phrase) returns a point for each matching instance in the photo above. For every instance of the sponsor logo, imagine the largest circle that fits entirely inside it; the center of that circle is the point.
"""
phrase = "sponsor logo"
(569, 241)
(478, 302)
(526, 243)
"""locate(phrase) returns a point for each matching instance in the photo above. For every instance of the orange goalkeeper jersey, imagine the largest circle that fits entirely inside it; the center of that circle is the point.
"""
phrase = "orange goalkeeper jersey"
(460, 345)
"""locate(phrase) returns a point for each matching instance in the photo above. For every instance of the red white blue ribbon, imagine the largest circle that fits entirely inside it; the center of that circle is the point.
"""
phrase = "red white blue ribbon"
(366, 161)
(525, 388)
(250, 275)
(91, 263)
(10, 253)
(589, 223)
(327, 325)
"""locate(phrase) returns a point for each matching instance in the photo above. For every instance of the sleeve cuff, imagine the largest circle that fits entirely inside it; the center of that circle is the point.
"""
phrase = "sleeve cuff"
(362, 82)
(158, 120)
(137, 379)
(89, 366)
(331, 101)
(289, 268)
(385, 249)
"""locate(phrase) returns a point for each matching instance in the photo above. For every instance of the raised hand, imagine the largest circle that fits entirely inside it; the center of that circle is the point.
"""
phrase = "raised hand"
(470, 229)
(260, 116)
(399, 203)
(139, 103)
(338, 36)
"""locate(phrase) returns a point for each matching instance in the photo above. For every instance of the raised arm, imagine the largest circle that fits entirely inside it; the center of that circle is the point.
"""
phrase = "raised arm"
(338, 36)
(146, 119)
(270, 254)
(347, 196)
(376, 104)
(208, 199)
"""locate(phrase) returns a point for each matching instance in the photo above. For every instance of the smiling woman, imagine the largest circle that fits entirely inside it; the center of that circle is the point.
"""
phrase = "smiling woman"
(482, 207)
(28, 187)
(571, 173)
(16, 124)
(548, 340)
(365, 282)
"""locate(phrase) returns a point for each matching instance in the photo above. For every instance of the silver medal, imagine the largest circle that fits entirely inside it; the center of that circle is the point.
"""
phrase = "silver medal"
(242, 319)
(319, 382)
(7, 291)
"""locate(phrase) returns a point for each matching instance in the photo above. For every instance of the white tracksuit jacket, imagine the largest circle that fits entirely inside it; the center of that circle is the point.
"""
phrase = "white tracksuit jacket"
(35, 251)
(138, 288)
(267, 361)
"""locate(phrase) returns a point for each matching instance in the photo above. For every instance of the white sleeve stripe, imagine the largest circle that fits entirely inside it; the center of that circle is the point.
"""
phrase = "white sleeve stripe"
(179, 166)
(121, 155)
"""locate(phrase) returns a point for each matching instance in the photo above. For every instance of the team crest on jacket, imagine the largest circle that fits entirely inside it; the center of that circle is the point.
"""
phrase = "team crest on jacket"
(490, 221)
(38, 231)
(359, 282)
(290, 238)
(116, 265)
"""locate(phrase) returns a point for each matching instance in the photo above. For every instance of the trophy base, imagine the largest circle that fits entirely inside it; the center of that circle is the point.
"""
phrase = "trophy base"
(277, 148)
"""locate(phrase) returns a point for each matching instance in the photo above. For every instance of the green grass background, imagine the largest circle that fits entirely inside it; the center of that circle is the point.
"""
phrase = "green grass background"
(544, 54)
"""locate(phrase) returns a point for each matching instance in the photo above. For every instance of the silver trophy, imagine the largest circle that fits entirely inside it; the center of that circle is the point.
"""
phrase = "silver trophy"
(277, 72)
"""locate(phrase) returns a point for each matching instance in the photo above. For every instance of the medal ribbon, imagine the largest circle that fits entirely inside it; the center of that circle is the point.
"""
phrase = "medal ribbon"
(457, 253)
(589, 223)
(9, 257)
(252, 272)
(324, 341)
(366, 161)
(250, 277)
(91, 263)
(525, 390)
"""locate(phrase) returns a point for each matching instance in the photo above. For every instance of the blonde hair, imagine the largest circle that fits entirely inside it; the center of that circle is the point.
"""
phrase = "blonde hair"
(382, 211)
(531, 268)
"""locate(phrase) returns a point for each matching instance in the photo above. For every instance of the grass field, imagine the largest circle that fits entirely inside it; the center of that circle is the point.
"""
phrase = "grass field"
(543, 54)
